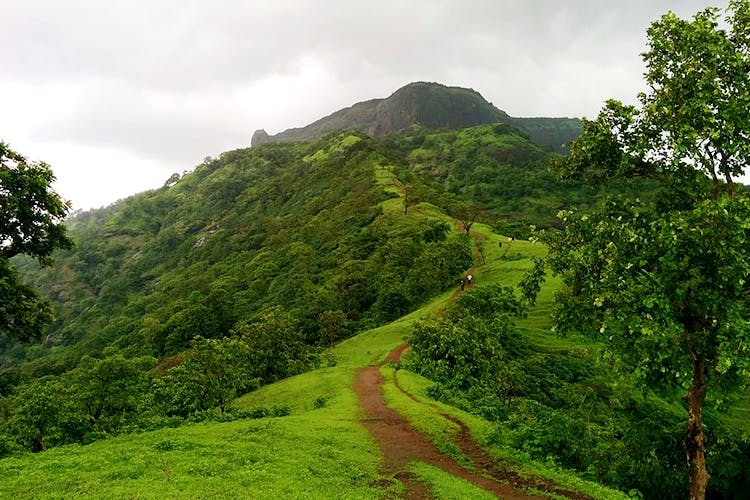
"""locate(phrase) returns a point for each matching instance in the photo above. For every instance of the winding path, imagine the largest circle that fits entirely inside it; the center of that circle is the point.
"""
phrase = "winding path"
(401, 444)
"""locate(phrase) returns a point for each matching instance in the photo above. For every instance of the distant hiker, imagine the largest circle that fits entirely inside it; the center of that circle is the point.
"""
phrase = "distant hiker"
(462, 284)
(469, 278)
(499, 244)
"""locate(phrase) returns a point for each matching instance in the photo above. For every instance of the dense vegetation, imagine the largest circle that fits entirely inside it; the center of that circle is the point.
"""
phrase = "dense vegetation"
(243, 272)
(670, 275)
(234, 276)
(661, 281)
(562, 403)
(493, 173)
(31, 215)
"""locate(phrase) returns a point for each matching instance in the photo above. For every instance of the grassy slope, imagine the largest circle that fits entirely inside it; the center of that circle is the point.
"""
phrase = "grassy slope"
(317, 450)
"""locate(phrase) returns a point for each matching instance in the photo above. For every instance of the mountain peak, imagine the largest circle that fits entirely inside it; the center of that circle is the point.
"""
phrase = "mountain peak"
(431, 105)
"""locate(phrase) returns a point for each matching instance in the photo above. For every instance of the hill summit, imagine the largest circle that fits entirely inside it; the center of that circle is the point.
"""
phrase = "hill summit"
(429, 105)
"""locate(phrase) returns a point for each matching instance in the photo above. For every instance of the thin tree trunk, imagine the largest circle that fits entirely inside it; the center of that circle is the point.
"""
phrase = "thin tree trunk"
(694, 445)
(730, 186)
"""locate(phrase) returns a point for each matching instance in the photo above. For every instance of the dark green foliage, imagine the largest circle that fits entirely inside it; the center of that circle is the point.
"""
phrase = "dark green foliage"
(100, 397)
(45, 414)
(276, 347)
(552, 134)
(30, 211)
(31, 216)
(110, 391)
(467, 346)
(212, 373)
(274, 225)
(560, 405)
(664, 281)
(493, 172)
(23, 313)
(236, 275)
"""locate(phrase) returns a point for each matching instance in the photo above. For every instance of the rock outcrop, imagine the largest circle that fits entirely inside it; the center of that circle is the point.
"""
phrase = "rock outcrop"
(429, 105)
(260, 136)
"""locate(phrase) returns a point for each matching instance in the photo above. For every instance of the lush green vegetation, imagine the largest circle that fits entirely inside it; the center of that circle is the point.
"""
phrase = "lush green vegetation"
(182, 327)
(492, 173)
(207, 333)
(314, 447)
(232, 277)
(556, 399)
(664, 281)
(31, 215)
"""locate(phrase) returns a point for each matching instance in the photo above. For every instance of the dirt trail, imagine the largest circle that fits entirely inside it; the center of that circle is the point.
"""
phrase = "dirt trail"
(401, 444)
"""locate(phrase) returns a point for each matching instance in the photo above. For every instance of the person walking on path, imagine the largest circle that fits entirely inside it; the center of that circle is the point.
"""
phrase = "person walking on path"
(469, 278)
(462, 284)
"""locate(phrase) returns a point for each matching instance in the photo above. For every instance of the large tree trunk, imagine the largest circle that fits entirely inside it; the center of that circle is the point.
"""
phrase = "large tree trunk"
(694, 445)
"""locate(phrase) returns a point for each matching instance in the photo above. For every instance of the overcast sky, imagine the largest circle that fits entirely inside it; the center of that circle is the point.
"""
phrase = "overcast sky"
(118, 95)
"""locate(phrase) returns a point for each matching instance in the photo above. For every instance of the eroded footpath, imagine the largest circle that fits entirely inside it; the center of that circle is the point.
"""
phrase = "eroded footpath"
(401, 444)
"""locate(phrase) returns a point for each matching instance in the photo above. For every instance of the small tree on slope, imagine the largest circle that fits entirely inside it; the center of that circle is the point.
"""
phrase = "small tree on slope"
(665, 282)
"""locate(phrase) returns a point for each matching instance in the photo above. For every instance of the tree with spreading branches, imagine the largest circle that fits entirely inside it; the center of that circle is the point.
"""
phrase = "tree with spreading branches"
(31, 223)
(664, 279)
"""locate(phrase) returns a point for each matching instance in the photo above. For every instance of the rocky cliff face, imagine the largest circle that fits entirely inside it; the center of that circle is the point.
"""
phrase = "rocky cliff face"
(260, 137)
(430, 105)
(433, 106)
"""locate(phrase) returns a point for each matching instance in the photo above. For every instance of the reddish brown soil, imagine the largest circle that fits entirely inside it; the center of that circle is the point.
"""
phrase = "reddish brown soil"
(401, 444)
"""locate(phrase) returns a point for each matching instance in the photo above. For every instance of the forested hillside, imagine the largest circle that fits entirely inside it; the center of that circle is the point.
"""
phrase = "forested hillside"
(258, 260)
(288, 225)
(284, 246)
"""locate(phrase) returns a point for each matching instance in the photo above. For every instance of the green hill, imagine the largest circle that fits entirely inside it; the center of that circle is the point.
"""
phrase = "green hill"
(313, 446)
(296, 226)
(208, 334)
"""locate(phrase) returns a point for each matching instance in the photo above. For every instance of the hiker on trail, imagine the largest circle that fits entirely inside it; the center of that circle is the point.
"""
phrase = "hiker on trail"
(469, 278)
(462, 284)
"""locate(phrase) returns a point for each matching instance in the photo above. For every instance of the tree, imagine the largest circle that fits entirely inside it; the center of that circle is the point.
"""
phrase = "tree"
(213, 373)
(45, 414)
(665, 281)
(408, 191)
(109, 390)
(31, 216)
(277, 348)
(466, 347)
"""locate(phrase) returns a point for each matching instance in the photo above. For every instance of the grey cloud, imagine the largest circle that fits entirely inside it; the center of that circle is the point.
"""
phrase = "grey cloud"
(125, 118)
(527, 57)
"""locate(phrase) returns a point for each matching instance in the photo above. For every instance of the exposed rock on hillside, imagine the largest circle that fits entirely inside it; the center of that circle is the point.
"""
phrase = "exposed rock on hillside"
(260, 137)
(429, 105)
(433, 106)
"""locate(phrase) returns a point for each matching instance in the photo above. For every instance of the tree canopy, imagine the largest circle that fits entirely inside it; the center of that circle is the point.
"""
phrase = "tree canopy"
(31, 214)
(664, 280)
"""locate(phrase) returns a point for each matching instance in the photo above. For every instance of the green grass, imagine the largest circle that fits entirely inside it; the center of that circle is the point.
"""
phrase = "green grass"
(342, 145)
(289, 457)
(447, 487)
